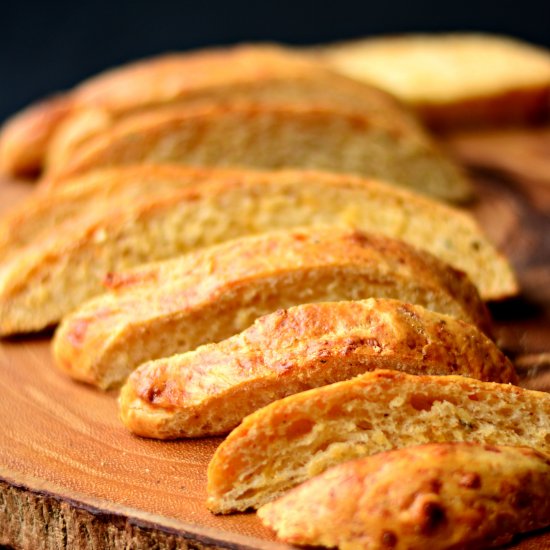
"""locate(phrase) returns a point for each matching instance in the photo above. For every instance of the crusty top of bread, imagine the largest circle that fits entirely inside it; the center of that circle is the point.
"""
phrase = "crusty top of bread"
(171, 77)
(174, 306)
(302, 435)
(453, 80)
(25, 136)
(423, 68)
(208, 391)
(260, 71)
(446, 495)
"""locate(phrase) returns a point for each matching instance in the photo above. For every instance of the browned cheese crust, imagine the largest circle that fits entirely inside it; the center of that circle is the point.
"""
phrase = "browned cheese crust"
(296, 438)
(440, 496)
(175, 306)
(208, 391)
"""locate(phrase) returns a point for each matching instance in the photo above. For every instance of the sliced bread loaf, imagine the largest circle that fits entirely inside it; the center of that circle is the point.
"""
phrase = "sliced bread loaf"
(293, 439)
(276, 135)
(444, 496)
(64, 266)
(210, 390)
(54, 128)
(206, 296)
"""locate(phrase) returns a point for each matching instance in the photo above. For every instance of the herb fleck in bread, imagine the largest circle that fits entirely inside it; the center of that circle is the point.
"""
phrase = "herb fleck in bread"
(293, 439)
(453, 80)
(208, 391)
(64, 266)
(276, 135)
(441, 496)
(171, 307)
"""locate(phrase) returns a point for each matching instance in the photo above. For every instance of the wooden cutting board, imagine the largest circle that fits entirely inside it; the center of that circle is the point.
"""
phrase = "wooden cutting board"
(72, 477)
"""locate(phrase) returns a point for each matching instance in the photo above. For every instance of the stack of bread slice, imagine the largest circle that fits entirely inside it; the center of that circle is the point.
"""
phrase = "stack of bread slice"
(227, 236)
(58, 246)
(257, 106)
(300, 436)
(174, 306)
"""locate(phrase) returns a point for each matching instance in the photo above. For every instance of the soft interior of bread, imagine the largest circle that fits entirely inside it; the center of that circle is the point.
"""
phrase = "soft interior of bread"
(296, 442)
(59, 273)
(320, 86)
(88, 197)
(326, 139)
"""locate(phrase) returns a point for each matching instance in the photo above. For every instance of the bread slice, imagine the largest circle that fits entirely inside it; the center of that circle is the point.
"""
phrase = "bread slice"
(210, 390)
(64, 267)
(254, 73)
(92, 194)
(293, 439)
(261, 72)
(440, 495)
(453, 80)
(276, 135)
(206, 296)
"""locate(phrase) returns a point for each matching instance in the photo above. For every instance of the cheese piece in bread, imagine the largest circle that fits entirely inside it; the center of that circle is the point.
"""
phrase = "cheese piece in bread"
(50, 131)
(298, 437)
(276, 135)
(65, 265)
(175, 306)
(210, 390)
(453, 80)
(439, 496)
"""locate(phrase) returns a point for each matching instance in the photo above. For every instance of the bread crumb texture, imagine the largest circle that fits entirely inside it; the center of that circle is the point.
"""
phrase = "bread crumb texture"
(174, 306)
(440, 496)
(208, 391)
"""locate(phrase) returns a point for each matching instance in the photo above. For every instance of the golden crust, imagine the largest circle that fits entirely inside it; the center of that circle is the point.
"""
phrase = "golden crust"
(446, 495)
(63, 266)
(169, 78)
(300, 436)
(208, 391)
(276, 135)
(24, 138)
(172, 307)
(447, 81)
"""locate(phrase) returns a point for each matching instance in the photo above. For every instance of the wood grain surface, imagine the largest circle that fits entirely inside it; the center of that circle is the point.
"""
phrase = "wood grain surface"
(72, 477)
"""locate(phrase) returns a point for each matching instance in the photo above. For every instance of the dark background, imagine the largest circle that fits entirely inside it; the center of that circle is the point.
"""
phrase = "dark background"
(48, 46)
